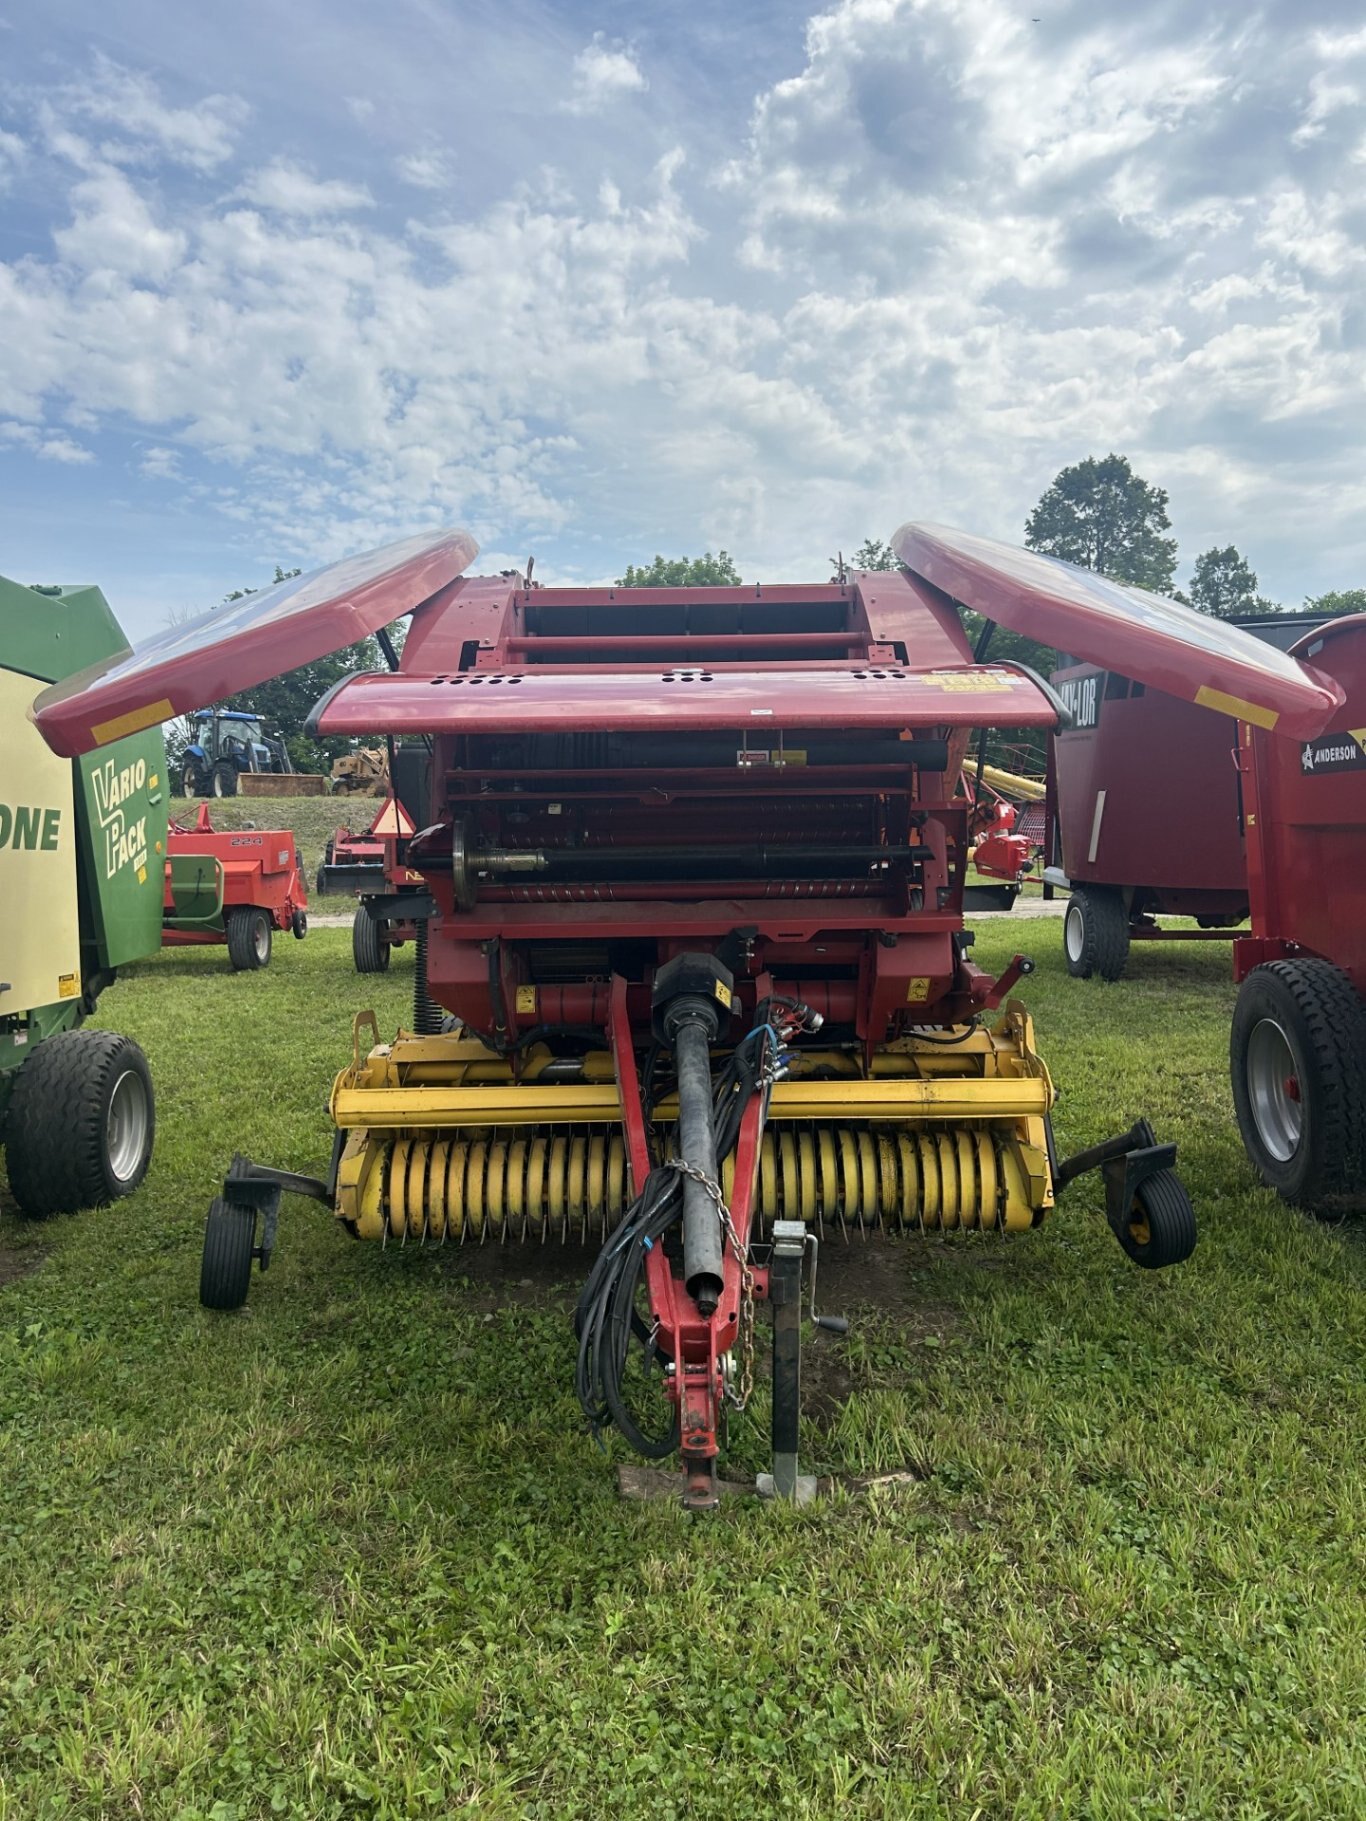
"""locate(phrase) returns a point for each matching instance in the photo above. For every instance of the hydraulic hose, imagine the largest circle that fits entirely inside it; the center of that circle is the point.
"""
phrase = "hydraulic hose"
(606, 1320)
(703, 1262)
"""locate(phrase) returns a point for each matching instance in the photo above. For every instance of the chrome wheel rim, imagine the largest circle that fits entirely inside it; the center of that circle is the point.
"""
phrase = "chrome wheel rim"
(1074, 932)
(126, 1126)
(1273, 1090)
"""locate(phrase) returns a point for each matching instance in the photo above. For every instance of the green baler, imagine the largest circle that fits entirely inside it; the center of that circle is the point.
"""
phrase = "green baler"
(82, 858)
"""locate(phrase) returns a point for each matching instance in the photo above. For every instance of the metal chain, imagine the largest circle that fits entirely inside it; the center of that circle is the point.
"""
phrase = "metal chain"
(739, 1396)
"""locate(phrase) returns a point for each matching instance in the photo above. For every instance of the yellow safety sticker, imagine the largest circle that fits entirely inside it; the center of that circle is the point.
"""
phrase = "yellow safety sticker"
(68, 985)
(142, 875)
(153, 781)
(526, 998)
(917, 989)
(105, 732)
(722, 992)
(790, 755)
(969, 680)
(1235, 705)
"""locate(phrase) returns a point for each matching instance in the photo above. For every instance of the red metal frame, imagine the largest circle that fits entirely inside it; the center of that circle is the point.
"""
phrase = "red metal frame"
(1305, 815)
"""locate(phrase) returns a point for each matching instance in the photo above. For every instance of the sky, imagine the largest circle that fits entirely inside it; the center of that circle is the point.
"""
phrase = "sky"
(600, 281)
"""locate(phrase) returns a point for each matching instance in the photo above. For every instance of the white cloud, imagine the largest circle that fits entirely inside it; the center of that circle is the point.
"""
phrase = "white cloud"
(288, 189)
(602, 74)
(11, 157)
(951, 254)
(131, 106)
(429, 170)
(160, 464)
(113, 230)
(62, 449)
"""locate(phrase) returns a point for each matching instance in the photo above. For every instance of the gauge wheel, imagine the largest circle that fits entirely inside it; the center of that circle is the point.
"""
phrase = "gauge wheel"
(229, 1246)
(1160, 1228)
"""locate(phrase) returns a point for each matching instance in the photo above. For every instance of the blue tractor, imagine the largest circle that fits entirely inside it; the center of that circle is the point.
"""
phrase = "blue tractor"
(224, 743)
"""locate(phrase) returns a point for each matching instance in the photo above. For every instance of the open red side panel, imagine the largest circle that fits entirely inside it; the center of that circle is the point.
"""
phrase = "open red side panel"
(1143, 636)
(235, 648)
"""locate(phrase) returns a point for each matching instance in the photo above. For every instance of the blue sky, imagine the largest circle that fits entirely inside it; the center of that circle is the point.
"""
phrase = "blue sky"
(281, 283)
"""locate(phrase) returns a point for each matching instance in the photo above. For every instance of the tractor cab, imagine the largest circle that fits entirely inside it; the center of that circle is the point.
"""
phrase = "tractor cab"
(225, 743)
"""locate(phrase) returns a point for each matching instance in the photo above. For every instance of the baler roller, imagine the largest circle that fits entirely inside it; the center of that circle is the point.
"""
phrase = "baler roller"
(576, 1184)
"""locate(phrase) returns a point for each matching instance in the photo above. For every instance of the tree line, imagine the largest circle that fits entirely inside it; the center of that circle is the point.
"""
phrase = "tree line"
(1100, 515)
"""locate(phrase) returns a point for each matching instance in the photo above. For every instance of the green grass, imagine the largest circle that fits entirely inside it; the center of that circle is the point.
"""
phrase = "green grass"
(350, 1553)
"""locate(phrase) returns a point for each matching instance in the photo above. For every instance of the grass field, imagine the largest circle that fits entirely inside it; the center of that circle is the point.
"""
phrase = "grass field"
(349, 1552)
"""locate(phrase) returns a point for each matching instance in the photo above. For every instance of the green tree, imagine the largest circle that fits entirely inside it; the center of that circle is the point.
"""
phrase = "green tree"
(872, 553)
(1102, 515)
(706, 571)
(1343, 600)
(1225, 586)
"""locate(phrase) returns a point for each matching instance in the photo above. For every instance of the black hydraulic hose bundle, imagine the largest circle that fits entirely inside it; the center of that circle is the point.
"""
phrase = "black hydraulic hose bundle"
(606, 1320)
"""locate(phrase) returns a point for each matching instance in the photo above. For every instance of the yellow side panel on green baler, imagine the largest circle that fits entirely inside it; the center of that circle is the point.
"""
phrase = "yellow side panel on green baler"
(40, 945)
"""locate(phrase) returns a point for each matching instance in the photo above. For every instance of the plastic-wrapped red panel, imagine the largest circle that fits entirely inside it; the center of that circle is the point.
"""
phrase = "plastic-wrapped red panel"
(478, 702)
(1141, 635)
(238, 646)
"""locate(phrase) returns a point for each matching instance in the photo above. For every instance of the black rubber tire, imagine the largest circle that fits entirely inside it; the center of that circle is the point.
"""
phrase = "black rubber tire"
(191, 782)
(1161, 1229)
(1323, 1020)
(1095, 933)
(249, 937)
(298, 925)
(369, 950)
(224, 780)
(225, 1267)
(62, 1147)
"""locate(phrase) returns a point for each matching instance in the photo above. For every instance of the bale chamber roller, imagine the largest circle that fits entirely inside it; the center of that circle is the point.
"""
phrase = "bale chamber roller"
(692, 976)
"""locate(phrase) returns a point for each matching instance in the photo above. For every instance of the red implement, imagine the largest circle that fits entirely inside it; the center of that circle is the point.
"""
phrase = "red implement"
(232, 886)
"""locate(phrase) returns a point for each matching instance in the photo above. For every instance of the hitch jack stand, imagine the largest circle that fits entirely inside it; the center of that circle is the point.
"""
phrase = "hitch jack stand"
(785, 1295)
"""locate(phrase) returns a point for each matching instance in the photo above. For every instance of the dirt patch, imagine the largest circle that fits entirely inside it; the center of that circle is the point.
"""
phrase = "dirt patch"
(486, 1278)
(19, 1261)
(889, 1274)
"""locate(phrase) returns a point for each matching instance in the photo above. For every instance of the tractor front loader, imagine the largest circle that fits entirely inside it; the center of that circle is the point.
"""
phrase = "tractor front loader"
(692, 975)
